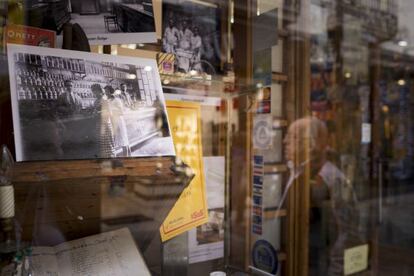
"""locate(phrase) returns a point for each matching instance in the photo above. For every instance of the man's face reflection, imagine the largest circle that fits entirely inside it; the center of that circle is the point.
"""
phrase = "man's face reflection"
(306, 138)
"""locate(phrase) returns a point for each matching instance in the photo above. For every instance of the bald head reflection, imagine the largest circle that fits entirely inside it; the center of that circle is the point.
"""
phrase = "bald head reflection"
(307, 138)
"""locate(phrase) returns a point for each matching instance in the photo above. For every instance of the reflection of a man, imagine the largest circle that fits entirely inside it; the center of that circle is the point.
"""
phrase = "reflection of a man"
(333, 214)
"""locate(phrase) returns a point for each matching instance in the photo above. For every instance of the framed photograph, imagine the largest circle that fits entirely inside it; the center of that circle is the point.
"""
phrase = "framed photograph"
(104, 22)
(77, 105)
(191, 30)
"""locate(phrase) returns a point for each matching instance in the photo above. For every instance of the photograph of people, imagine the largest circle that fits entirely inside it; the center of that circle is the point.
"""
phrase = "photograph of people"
(191, 31)
(86, 107)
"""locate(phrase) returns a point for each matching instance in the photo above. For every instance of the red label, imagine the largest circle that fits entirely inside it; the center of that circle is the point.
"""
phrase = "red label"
(197, 214)
(26, 35)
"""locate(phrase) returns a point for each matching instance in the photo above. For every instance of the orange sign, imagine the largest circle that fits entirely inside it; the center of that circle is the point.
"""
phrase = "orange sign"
(26, 35)
(190, 210)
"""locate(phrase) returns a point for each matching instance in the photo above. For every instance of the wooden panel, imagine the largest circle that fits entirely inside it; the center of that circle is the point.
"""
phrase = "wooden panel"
(57, 170)
(275, 214)
(279, 168)
(65, 200)
(241, 154)
(279, 77)
(65, 209)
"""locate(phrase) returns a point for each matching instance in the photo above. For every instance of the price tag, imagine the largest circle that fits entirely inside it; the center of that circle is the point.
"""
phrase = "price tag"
(355, 259)
(366, 133)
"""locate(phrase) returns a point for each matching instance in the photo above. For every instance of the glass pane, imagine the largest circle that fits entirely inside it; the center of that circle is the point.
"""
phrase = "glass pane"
(214, 137)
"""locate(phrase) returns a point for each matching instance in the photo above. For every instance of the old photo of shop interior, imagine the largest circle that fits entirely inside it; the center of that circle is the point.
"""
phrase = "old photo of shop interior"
(81, 108)
(104, 21)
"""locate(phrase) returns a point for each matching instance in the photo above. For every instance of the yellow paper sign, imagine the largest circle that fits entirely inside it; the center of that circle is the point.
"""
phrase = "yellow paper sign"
(355, 259)
(190, 210)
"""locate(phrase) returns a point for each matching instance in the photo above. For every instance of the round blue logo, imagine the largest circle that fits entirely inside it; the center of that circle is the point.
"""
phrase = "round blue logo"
(265, 256)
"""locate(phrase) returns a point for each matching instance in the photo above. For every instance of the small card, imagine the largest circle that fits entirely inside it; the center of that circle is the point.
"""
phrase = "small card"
(166, 63)
(355, 259)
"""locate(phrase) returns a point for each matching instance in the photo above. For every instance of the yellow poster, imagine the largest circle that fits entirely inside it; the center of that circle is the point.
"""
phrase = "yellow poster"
(190, 210)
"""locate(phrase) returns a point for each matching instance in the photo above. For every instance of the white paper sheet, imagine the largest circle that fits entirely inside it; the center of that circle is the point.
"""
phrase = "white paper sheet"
(110, 253)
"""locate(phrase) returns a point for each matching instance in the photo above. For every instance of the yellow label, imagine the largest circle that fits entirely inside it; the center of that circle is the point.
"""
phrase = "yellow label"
(355, 259)
(190, 210)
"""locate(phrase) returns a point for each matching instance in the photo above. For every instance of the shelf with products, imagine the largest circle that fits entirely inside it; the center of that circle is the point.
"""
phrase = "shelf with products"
(226, 119)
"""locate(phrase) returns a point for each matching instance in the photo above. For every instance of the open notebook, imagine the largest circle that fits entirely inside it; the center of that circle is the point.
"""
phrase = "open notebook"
(111, 253)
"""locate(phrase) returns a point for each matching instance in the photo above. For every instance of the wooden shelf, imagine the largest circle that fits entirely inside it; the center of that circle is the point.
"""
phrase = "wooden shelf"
(278, 168)
(153, 167)
(279, 123)
(275, 214)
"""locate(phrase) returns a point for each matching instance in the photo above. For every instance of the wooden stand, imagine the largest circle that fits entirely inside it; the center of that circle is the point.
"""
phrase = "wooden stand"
(57, 201)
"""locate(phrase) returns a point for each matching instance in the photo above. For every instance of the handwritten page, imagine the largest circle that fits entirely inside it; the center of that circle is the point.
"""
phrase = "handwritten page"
(44, 261)
(111, 253)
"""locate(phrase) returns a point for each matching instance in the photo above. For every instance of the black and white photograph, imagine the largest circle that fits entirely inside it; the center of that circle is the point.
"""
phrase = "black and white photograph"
(103, 21)
(191, 31)
(77, 105)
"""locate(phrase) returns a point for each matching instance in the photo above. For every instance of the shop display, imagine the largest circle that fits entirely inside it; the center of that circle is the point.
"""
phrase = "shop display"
(26, 35)
(276, 137)
(206, 242)
(191, 31)
(190, 210)
(110, 253)
(76, 105)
